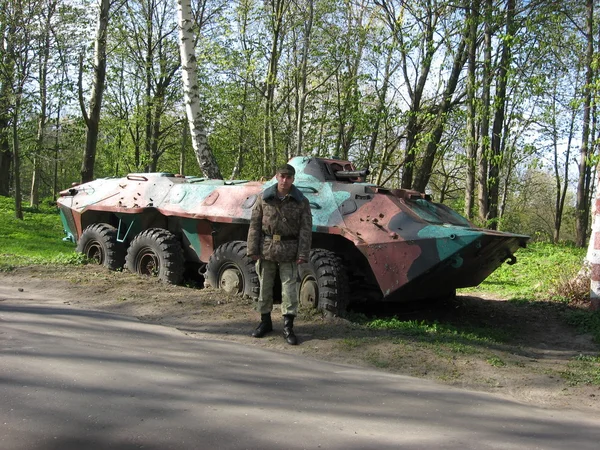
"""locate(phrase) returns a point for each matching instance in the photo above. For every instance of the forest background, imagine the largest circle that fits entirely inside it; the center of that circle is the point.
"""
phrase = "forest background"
(488, 105)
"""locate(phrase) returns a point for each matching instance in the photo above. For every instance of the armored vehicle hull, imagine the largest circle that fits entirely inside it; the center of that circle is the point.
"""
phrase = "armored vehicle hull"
(369, 243)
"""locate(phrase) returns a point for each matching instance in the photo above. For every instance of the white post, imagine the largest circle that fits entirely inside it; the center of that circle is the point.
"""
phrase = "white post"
(593, 252)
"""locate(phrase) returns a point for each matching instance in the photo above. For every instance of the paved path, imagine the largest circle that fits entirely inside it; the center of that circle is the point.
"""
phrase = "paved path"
(86, 380)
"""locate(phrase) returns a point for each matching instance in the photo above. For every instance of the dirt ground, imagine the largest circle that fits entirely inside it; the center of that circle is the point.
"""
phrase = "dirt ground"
(528, 369)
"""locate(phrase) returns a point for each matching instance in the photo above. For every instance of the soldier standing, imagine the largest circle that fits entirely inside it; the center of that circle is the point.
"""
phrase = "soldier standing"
(279, 237)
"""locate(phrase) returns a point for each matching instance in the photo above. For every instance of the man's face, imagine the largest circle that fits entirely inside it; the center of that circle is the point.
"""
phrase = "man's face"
(284, 182)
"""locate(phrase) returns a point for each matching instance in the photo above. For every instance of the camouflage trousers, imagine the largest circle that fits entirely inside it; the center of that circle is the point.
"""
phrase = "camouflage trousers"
(288, 273)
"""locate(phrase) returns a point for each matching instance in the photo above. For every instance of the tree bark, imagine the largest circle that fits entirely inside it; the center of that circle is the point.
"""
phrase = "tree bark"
(429, 47)
(484, 143)
(6, 83)
(424, 173)
(6, 156)
(34, 198)
(204, 156)
(582, 208)
(471, 145)
(499, 113)
(561, 186)
(278, 8)
(303, 93)
(93, 120)
(381, 108)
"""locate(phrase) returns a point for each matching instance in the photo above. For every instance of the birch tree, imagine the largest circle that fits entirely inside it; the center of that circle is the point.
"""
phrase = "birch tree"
(189, 74)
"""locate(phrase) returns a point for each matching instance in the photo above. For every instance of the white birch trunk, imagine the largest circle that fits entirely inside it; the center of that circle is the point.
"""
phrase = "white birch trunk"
(204, 156)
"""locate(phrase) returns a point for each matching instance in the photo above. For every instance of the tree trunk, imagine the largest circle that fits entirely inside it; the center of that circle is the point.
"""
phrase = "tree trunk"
(204, 156)
(149, 100)
(242, 149)
(382, 96)
(562, 187)
(17, 160)
(6, 156)
(93, 120)
(426, 167)
(277, 12)
(302, 94)
(185, 133)
(6, 83)
(473, 22)
(429, 46)
(34, 198)
(582, 195)
(500, 109)
(243, 120)
(484, 143)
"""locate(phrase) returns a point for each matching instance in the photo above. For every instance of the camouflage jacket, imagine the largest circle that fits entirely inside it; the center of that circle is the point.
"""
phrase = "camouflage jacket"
(280, 230)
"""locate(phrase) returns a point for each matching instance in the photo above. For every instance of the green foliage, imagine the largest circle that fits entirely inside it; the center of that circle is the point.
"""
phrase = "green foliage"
(37, 239)
(540, 268)
(495, 361)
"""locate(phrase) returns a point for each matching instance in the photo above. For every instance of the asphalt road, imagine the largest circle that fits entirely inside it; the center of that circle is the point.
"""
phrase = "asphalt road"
(86, 380)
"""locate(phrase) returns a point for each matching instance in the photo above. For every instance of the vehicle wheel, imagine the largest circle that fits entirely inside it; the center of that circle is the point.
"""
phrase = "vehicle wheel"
(324, 283)
(156, 252)
(98, 242)
(230, 269)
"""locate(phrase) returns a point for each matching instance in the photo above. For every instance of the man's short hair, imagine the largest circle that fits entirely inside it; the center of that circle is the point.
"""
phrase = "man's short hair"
(286, 169)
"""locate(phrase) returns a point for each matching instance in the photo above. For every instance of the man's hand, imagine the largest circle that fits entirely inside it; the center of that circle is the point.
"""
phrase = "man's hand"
(301, 261)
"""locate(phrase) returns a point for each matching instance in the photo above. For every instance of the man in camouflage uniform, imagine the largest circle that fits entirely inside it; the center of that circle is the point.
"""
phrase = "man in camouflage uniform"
(279, 237)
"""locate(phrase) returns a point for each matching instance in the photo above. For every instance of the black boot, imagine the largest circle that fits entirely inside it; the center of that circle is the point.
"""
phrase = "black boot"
(288, 330)
(265, 326)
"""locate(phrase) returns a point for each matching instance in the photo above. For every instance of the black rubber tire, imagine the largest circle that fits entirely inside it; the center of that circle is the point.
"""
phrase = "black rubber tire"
(156, 252)
(230, 269)
(98, 242)
(324, 283)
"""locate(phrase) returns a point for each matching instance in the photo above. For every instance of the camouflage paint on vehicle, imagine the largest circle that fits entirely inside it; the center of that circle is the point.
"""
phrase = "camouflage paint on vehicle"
(385, 244)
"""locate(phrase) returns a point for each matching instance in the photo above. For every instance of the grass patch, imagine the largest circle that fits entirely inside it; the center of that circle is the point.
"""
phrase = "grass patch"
(438, 332)
(37, 239)
(495, 361)
(540, 268)
(583, 369)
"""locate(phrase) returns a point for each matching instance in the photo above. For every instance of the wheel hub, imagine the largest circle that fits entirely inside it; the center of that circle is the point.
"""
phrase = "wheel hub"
(231, 281)
(309, 293)
(95, 253)
(149, 264)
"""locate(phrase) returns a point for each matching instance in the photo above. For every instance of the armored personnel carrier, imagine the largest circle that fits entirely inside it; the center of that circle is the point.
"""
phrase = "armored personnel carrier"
(369, 243)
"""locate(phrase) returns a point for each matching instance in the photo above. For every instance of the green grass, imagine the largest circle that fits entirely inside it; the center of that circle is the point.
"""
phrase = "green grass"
(439, 332)
(37, 239)
(540, 267)
(445, 339)
(583, 369)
